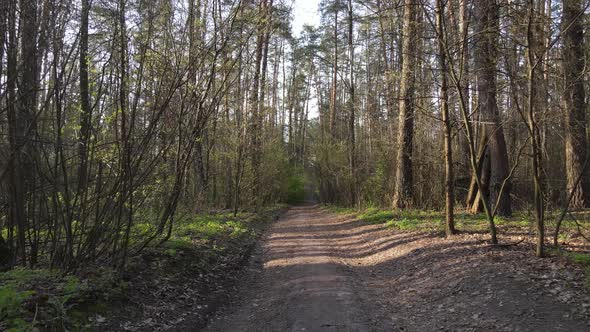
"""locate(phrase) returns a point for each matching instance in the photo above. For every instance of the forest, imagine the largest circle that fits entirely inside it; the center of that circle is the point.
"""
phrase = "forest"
(180, 131)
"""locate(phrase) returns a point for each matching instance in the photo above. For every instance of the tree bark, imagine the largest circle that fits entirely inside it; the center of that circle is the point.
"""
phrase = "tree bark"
(404, 177)
(4, 8)
(351, 105)
(25, 123)
(485, 59)
(533, 66)
(255, 108)
(574, 63)
(465, 51)
(16, 199)
(444, 108)
(86, 110)
(334, 92)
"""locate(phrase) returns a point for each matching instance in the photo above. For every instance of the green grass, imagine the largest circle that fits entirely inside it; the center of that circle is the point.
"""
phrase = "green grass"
(31, 296)
(340, 210)
(431, 220)
(41, 299)
(579, 257)
(207, 227)
(376, 216)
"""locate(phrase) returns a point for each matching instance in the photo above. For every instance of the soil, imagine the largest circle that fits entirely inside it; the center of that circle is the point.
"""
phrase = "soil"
(316, 271)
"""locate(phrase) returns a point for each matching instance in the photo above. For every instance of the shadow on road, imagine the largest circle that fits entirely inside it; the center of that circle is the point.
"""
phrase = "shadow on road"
(321, 272)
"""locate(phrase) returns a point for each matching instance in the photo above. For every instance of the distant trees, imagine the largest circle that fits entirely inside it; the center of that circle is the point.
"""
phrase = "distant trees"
(119, 117)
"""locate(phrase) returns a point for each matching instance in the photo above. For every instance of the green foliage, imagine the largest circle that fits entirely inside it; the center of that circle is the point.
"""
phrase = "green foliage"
(340, 210)
(332, 173)
(48, 300)
(376, 216)
(22, 276)
(581, 258)
(43, 298)
(427, 220)
(170, 252)
(208, 227)
(374, 187)
(11, 308)
(179, 243)
(296, 191)
(275, 173)
(68, 291)
(408, 224)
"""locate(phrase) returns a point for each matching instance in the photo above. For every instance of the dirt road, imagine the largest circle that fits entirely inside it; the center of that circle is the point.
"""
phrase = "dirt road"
(320, 272)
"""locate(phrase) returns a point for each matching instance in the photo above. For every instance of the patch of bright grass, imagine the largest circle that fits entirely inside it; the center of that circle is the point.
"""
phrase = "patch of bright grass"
(376, 217)
(179, 243)
(11, 308)
(213, 226)
(431, 220)
(22, 286)
(581, 258)
(340, 210)
(414, 224)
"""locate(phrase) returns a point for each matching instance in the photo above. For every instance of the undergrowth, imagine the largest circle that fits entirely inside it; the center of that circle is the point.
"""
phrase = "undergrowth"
(33, 299)
(42, 299)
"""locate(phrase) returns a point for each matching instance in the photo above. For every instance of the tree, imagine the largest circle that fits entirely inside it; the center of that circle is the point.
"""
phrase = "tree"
(404, 178)
(24, 122)
(495, 167)
(444, 109)
(334, 91)
(574, 103)
(534, 58)
(351, 103)
(255, 106)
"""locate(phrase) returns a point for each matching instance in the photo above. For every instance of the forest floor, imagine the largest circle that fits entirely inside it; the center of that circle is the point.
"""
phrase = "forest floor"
(321, 271)
(175, 285)
(319, 268)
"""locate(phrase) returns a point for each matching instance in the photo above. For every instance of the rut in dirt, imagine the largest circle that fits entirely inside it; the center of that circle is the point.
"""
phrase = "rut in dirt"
(302, 285)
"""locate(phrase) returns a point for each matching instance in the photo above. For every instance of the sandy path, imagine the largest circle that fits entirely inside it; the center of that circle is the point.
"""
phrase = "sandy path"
(319, 272)
(303, 284)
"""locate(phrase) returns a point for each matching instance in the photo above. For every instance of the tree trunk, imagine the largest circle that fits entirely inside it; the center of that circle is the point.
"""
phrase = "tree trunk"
(4, 8)
(266, 41)
(444, 108)
(255, 109)
(85, 108)
(334, 92)
(533, 65)
(485, 59)
(351, 104)
(24, 122)
(464, 40)
(574, 98)
(403, 182)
